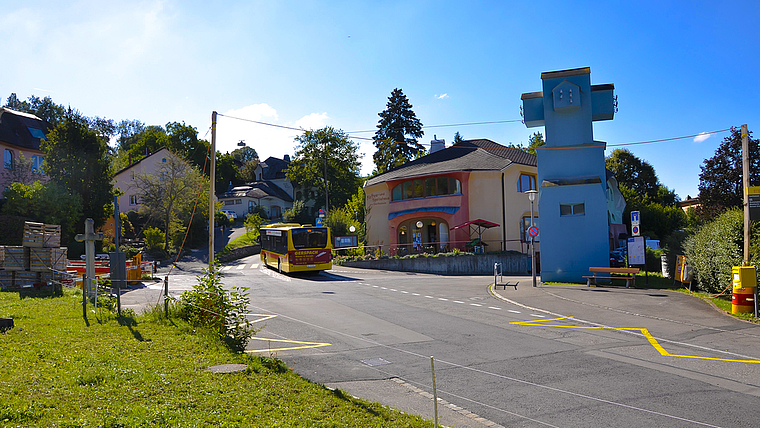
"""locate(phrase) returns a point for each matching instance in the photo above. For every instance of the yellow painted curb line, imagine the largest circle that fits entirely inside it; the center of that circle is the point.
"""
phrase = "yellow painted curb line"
(643, 331)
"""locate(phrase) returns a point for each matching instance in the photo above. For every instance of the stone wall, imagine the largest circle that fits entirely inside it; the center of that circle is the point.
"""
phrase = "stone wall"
(481, 264)
(239, 253)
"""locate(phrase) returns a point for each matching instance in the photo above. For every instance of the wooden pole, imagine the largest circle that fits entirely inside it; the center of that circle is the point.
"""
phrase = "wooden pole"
(745, 185)
(211, 191)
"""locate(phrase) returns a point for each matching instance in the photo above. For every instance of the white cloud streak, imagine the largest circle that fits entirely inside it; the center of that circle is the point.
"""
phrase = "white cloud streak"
(702, 137)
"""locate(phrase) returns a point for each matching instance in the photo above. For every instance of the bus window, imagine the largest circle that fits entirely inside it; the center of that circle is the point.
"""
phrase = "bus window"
(309, 238)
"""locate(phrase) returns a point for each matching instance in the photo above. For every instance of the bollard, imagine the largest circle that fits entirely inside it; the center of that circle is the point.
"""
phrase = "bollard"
(744, 284)
(166, 296)
(435, 393)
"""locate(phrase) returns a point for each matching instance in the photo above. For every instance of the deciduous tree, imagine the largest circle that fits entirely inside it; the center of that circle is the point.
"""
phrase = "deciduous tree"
(397, 133)
(720, 183)
(169, 194)
(78, 159)
(342, 157)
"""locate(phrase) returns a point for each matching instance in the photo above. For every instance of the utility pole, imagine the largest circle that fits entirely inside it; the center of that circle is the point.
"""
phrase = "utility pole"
(745, 185)
(211, 192)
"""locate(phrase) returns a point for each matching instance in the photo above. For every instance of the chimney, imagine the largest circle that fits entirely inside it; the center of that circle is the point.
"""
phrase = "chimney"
(437, 144)
(286, 158)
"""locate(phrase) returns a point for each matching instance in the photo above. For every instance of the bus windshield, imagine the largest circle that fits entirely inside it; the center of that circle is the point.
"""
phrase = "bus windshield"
(310, 237)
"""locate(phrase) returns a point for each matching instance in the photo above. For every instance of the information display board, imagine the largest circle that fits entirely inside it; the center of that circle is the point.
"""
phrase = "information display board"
(636, 251)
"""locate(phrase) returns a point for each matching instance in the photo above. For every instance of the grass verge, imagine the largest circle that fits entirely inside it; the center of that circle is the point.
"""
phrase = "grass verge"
(148, 371)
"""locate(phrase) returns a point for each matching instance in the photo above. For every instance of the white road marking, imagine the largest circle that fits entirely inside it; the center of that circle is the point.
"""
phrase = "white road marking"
(494, 307)
(538, 316)
(475, 304)
(241, 267)
(514, 312)
(441, 298)
(457, 301)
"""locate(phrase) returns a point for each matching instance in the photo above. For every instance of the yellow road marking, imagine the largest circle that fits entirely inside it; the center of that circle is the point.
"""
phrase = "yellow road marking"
(644, 331)
(305, 345)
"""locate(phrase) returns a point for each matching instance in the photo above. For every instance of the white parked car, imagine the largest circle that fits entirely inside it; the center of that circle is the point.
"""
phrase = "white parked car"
(231, 215)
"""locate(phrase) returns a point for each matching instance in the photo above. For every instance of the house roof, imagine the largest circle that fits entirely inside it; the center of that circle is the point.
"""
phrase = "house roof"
(23, 130)
(273, 168)
(258, 190)
(133, 164)
(469, 155)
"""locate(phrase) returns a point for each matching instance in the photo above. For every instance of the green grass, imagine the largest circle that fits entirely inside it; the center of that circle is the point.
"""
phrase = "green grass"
(241, 241)
(151, 372)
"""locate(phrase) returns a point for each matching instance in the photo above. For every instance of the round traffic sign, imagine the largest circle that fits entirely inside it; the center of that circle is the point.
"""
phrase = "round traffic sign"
(533, 231)
(635, 230)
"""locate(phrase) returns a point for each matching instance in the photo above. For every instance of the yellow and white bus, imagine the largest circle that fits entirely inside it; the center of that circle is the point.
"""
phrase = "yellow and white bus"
(291, 247)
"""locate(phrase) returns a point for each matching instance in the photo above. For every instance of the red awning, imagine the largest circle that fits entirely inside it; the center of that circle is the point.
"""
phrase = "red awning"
(480, 223)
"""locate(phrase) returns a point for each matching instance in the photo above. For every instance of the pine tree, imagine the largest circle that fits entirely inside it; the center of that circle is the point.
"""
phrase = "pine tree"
(397, 122)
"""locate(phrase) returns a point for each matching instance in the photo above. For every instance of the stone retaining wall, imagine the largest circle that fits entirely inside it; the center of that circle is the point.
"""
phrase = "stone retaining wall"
(239, 253)
(480, 264)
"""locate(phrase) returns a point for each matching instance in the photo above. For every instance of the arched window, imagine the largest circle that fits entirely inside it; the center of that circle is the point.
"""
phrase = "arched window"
(8, 159)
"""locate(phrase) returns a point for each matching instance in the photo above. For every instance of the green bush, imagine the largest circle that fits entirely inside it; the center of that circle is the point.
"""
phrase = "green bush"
(208, 304)
(252, 225)
(716, 247)
(154, 239)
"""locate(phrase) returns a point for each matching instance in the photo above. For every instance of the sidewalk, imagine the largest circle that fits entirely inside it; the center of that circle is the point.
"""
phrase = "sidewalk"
(613, 304)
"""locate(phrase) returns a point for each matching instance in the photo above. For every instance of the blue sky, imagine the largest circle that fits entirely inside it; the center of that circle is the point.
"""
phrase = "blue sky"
(679, 67)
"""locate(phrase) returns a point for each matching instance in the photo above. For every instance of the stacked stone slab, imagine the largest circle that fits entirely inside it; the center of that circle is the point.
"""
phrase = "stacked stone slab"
(39, 259)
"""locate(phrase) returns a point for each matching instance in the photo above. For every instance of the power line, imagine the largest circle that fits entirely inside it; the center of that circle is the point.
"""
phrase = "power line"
(349, 134)
(452, 125)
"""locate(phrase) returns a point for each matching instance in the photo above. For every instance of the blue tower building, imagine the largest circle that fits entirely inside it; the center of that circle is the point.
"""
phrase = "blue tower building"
(572, 179)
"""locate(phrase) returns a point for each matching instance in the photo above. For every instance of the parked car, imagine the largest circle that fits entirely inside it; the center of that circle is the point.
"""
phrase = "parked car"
(231, 215)
(617, 259)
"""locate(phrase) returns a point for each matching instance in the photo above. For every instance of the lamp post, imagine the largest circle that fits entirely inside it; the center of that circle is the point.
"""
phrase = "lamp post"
(532, 197)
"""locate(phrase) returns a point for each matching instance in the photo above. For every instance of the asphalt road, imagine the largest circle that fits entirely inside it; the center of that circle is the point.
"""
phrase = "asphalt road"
(557, 356)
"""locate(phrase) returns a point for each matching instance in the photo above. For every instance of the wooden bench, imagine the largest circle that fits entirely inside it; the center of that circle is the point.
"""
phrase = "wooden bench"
(607, 272)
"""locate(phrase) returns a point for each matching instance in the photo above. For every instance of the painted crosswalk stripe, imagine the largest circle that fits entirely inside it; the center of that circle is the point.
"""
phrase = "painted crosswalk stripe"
(494, 307)
(241, 267)
(514, 312)
(227, 268)
(457, 301)
(255, 266)
(475, 304)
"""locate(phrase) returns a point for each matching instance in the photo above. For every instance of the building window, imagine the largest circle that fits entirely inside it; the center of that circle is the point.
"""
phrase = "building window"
(275, 210)
(426, 188)
(572, 209)
(132, 199)
(37, 165)
(238, 201)
(526, 182)
(524, 225)
(8, 159)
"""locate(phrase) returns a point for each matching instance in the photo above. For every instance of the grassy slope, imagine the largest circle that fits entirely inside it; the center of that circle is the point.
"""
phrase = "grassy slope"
(122, 372)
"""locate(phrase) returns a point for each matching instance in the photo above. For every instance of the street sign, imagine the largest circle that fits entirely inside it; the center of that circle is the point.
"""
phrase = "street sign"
(753, 198)
(319, 222)
(635, 218)
(533, 231)
(322, 213)
(635, 231)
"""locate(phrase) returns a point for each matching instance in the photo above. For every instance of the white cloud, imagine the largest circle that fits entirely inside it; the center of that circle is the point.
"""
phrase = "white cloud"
(442, 96)
(313, 121)
(702, 137)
